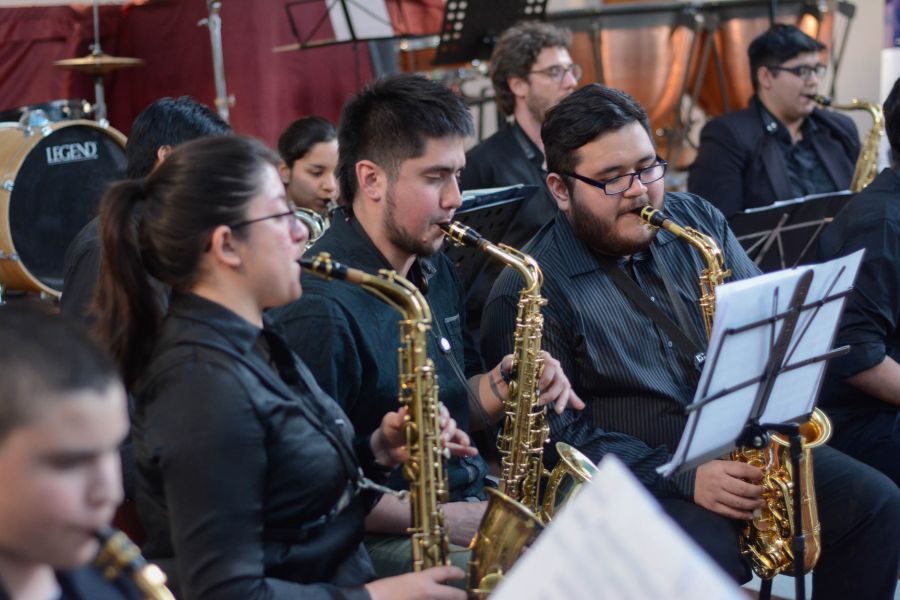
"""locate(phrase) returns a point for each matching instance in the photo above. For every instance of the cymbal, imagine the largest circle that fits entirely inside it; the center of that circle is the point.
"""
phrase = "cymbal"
(98, 64)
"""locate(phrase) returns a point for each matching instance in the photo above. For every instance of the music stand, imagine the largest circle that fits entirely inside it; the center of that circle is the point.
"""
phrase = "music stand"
(470, 28)
(784, 234)
(489, 212)
(771, 339)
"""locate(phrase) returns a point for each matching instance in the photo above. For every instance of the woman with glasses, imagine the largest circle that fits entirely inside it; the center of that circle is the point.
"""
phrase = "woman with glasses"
(781, 146)
(251, 481)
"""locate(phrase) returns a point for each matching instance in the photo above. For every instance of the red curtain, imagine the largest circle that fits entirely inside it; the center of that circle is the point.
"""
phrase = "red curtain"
(271, 89)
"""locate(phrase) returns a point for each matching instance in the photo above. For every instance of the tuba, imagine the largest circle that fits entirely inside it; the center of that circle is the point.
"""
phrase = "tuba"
(118, 555)
(424, 469)
(867, 164)
(765, 540)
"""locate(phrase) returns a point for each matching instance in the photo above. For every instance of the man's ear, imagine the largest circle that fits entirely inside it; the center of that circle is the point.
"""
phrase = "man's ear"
(222, 247)
(518, 86)
(557, 186)
(372, 180)
(284, 172)
(764, 77)
(161, 153)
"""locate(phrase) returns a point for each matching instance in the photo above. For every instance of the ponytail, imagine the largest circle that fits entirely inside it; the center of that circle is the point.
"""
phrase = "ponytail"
(128, 305)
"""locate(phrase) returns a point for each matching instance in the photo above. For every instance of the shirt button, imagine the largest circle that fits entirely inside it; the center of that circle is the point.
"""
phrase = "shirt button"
(669, 343)
(652, 298)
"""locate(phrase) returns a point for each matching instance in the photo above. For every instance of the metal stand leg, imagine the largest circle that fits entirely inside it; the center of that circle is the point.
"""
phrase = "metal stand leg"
(765, 590)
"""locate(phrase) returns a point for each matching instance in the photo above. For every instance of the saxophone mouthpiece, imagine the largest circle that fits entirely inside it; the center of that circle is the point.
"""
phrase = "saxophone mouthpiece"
(462, 234)
(819, 99)
(652, 216)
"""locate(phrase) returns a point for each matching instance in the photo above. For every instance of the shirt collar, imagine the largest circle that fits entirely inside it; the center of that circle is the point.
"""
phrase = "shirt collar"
(776, 128)
(365, 255)
(231, 326)
(531, 150)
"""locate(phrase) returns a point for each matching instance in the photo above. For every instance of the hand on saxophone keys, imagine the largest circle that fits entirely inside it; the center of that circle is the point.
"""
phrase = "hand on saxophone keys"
(729, 488)
(556, 388)
(389, 440)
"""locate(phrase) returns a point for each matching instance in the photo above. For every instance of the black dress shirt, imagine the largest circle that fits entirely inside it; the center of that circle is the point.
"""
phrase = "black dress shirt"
(635, 380)
(871, 320)
(806, 171)
(246, 469)
(87, 583)
(741, 163)
(81, 272)
(349, 340)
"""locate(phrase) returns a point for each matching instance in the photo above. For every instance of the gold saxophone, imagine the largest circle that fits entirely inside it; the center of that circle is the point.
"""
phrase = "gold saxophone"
(867, 164)
(510, 523)
(765, 540)
(424, 469)
(120, 556)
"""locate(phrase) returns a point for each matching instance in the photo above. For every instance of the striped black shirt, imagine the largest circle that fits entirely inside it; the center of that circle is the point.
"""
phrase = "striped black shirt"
(634, 379)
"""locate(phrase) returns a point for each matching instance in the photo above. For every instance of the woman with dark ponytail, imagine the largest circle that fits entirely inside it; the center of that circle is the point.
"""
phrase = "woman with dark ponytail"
(250, 479)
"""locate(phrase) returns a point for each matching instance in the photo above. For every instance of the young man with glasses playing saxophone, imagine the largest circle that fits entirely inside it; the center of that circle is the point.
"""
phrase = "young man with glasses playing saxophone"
(599, 261)
(781, 146)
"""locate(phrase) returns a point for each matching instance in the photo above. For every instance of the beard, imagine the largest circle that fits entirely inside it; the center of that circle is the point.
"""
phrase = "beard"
(602, 236)
(402, 238)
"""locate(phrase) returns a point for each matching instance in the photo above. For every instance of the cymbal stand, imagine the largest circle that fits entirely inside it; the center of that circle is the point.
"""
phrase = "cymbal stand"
(99, 94)
(214, 23)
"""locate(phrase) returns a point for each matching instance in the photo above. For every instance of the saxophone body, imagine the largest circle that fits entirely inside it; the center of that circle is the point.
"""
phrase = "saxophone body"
(119, 556)
(867, 164)
(765, 540)
(424, 469)
(525, 427)
(315, 223)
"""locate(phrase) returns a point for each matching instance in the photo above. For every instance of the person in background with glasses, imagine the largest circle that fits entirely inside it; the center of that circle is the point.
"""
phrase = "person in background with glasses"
(531, 71)
(604, 272)
(781, 146)
(251, 482)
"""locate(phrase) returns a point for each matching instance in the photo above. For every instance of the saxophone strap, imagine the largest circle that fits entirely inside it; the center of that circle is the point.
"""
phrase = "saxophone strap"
(638, 296)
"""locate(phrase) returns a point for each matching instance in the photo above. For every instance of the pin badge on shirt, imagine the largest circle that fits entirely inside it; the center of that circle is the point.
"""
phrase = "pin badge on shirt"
(444, 343)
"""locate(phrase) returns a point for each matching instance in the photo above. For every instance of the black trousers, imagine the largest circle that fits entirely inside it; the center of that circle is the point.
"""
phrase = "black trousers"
(869, 436)
(859, 510)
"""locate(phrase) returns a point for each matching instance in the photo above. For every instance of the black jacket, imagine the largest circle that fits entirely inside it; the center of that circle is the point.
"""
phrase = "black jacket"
(242, 461)
(740, 165)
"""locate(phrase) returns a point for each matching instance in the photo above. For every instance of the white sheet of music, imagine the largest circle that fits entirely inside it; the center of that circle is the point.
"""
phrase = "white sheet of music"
(818, 328)
(370, 19)
(741, 357)
(613, 541)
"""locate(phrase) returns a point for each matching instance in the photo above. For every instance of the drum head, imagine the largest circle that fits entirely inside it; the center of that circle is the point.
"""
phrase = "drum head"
(56, 192)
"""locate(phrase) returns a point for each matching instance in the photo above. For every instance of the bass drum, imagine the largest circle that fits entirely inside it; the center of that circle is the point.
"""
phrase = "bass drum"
(51, 181)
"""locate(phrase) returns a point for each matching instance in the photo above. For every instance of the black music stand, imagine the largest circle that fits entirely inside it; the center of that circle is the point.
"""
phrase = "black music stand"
(733, 406)
(470, 28)
(489, 212)
(784, 234)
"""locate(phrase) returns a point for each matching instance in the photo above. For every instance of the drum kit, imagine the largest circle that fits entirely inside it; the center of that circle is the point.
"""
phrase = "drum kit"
(55, 163)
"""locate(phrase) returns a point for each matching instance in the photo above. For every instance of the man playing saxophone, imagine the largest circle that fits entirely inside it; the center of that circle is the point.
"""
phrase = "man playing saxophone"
(401, 151)
(597, 258)
(781, 146)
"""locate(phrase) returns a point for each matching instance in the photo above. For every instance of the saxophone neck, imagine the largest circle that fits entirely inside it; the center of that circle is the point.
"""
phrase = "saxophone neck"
(524, 264)
(387, 285)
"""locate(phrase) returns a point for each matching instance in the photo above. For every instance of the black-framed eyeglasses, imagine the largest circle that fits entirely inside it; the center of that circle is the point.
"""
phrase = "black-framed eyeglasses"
(802, 71)
(622, 183)
(280, 216)
(558, 72)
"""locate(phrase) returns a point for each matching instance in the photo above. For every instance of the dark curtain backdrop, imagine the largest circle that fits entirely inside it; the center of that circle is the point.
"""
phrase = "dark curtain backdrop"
(271, 89)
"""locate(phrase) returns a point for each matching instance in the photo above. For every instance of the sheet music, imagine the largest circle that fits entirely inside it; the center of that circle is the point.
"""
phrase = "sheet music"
(370, 19)
(739, 358)
(818, 328)
(613, 541)
(731, 360)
